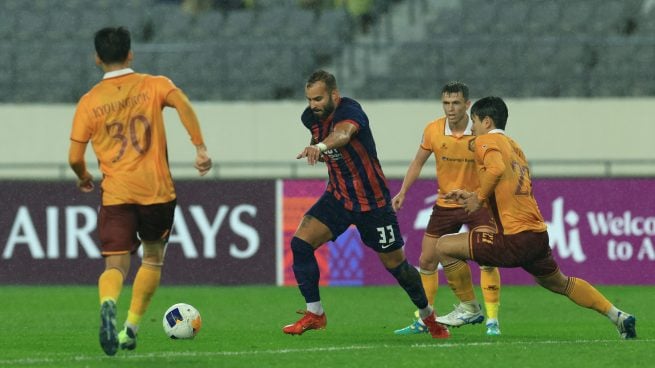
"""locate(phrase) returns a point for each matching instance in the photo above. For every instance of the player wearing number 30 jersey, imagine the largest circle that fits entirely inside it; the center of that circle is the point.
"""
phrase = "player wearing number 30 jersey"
(122, 118)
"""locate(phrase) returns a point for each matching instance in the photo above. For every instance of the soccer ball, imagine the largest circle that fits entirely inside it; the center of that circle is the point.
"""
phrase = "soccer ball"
(182, 321)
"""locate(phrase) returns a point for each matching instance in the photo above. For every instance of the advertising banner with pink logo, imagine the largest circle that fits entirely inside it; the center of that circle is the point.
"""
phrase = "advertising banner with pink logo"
(601, 230)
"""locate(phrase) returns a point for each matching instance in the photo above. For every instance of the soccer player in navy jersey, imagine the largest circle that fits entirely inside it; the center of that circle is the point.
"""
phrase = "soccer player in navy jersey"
(356, 194)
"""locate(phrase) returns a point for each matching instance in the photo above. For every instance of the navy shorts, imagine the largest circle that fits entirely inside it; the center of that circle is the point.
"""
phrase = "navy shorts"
(378, 228)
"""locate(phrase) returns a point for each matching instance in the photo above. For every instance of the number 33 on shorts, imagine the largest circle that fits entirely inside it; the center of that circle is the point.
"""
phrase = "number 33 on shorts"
(387, 236)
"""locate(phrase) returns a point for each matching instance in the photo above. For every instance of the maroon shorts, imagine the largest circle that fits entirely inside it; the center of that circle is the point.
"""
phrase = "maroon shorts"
(528, 250)
(122, 227)
(447, 220)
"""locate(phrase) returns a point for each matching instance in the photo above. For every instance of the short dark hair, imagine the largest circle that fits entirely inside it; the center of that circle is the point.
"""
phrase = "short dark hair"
(493, 107)
(456, 87)
(112, 44)
(325, 77)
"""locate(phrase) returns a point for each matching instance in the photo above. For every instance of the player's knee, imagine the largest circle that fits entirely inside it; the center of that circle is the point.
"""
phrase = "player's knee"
(484, 229)
(427, 263)
(301, 247)
(556, 282)
(439, 249)
(400, 270)
(153, 252)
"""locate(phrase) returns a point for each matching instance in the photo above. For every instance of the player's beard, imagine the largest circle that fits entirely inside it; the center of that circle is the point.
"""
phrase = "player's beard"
(326, 111)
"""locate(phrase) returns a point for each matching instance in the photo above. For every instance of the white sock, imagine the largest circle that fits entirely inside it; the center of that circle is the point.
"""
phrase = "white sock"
(425, 312)
(471, 306)
(315, 307)
(613, 314)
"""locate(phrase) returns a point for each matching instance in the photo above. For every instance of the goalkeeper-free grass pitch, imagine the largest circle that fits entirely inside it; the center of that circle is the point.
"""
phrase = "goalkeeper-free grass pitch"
(57, 326)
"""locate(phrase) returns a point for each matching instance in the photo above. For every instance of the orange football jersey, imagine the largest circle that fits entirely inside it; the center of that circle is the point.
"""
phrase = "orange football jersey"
(122, 118)
(455, 162)
(512, 201)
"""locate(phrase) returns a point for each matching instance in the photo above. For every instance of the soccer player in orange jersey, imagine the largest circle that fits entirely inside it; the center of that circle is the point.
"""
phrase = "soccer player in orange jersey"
(448, 138)
(522, 239)
(122, 118)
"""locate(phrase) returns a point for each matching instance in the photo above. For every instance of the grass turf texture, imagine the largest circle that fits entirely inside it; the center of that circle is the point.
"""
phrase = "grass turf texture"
(57, 326)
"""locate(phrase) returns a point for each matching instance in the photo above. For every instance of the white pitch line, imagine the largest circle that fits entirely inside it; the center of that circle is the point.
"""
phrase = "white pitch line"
(436, 345)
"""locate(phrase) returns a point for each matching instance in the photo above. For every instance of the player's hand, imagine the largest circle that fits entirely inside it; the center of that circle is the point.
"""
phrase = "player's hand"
(203, 163)
(312, 153)
(472, 203)
(85, 184)
(456, 196)
(397, 201)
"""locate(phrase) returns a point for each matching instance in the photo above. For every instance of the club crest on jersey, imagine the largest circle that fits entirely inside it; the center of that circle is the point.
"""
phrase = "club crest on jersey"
(472, 145)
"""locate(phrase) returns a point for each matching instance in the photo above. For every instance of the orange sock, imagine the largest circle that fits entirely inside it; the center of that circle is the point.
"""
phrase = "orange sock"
(585, 295)
(110, 284)
(430, 280)
(144, 287)
(458, 274)
(490, 284)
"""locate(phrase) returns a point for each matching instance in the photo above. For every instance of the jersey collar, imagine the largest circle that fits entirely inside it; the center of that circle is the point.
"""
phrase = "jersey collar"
(117, 73)
(496, 131)
(467, 131)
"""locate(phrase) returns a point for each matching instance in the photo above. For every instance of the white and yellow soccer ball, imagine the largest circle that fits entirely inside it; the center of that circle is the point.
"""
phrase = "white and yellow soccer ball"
(182, 321)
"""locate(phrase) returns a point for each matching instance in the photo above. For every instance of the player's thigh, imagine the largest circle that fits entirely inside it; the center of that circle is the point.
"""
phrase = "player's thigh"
(445, 220)
(324, 221)
(481, 220)
(379, 229)
(117, 229)
(313, 231)
(454, 245)
(529, 250)
(156, 221)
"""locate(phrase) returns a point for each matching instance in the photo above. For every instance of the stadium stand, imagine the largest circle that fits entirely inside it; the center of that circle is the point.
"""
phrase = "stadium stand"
(263, 49)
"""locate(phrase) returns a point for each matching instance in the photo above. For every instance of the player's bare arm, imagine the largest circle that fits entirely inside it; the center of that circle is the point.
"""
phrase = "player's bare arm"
(413, 172)
(77, 163)
(178, 100)
(339, 137)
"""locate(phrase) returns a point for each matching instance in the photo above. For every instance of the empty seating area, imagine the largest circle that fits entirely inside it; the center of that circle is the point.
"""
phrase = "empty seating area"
(538, 48)
(265, 49)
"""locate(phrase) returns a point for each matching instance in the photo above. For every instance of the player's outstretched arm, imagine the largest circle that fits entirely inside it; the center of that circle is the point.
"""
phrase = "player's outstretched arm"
(339, 137)
(413, 172)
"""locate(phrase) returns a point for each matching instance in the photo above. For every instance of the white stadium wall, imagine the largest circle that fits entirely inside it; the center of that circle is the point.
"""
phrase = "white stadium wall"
(548, 129)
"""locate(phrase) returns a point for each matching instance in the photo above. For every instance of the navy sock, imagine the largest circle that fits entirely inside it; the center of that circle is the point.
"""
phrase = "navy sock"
(305, 268)
(409, 278)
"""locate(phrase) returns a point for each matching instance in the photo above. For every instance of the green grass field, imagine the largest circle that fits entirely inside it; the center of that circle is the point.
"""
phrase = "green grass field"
(54, 326)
